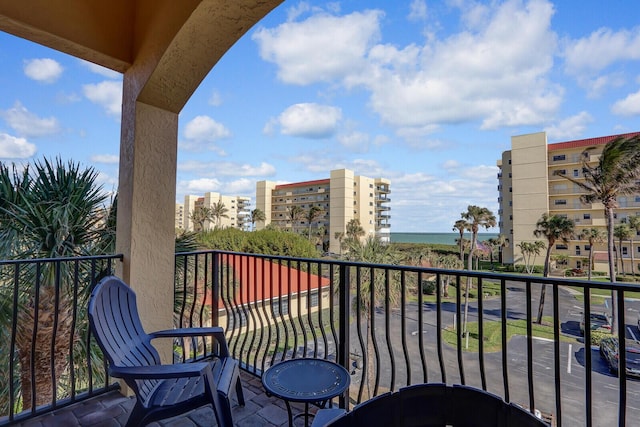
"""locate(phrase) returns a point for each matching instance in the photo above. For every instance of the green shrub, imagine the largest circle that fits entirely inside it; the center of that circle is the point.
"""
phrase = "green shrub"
(429, 287)
(597, 336)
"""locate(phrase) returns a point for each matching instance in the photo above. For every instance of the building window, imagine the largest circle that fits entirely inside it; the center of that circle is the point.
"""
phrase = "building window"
(587, 247)
(279, 308)
(561, 171)
(314, 299)
(576, 173)
(560, 202)
(561, 247)
(578, 250)
(586, 216)
(625, 251)
(510, 189)
(559, 157)
(509, 174)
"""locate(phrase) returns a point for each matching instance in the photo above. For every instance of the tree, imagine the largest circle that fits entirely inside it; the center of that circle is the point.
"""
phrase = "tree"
(354, 232)
(339, 236)
(530, 250)
(622, 232)
(461, 225)
(374, 289)
(256, 215)
(199, 216)
(54, 210)
(219, 211)
(475, 218)
(634, 225)
(615, 174)
(553, 228)
(593, 236)
(502, 242)
(295, 213)
(313, 214)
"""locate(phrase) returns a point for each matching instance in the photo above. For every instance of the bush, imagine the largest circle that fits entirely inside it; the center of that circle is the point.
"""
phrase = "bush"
(429, 287)
(597, 336)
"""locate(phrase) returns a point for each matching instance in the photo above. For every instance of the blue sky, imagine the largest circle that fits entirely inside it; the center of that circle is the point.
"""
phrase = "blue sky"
(424, 93)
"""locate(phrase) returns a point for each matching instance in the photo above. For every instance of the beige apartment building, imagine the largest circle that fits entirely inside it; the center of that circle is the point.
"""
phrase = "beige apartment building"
(237, 214)
(342, 197)
(529, 186)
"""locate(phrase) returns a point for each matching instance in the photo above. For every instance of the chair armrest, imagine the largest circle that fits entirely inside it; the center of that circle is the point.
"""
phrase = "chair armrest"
(215, 332)
(178, 370)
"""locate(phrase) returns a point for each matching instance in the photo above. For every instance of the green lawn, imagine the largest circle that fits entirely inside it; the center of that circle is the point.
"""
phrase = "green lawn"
(493, 333)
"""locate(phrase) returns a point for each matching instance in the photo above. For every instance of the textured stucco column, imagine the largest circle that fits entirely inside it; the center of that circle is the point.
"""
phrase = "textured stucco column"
(146, 212)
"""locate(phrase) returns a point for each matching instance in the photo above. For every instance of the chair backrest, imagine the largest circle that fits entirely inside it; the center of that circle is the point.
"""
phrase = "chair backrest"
(380, 410)
(424, 405)
(115, 323)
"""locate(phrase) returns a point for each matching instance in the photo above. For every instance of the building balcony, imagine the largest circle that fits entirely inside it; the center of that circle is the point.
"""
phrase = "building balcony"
(275, 308)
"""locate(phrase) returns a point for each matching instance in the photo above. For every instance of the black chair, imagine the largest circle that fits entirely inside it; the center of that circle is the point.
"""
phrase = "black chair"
(424, 405)
(162, 391)
(381, 410)
(476, 407)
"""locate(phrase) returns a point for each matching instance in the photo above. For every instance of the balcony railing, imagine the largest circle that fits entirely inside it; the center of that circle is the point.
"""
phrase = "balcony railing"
(47, 359)
(376, 321)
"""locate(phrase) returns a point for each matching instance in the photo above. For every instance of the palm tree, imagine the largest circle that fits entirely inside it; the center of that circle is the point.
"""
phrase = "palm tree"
(53, 211)
(529, 252)
(312, 214)
(219, 211)
(256, 215)
(622, 232)
(502, 242)
(634, 224)
(615, 174)
(199, 216)
(475, 218)
(374, 289)
(354, 232)
(593, 236)
(461, 225)
(296, 213)
(553, 228)
(339, 236)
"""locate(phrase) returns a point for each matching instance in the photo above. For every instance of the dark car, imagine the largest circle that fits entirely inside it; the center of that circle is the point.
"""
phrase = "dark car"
(599, 322)
(609, 352)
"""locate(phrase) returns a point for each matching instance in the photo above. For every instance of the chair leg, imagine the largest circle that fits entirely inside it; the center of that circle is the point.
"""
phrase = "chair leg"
(137, 414)
(239, 392)
(223, 412)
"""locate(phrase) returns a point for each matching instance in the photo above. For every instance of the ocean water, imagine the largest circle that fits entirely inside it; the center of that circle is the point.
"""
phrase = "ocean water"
(436, 238)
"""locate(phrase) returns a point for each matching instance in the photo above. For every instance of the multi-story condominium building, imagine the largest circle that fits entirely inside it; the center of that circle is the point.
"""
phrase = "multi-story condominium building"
(529, 185)
(237, 213)
(342, 197)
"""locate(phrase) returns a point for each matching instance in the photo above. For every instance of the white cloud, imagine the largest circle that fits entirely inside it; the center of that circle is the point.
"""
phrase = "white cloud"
(310, 120)
(629, 106)
(600, 49)
(355, 141)
(28, 124)
(417, 10)
(215, 99)
(12, 147)
(227, 168)
(321, 48)
(100, 70)
(494, 70)
(203, 132)
(569, 128)
(110, 159)
(107, 94)
(201, 185)
(44, 70)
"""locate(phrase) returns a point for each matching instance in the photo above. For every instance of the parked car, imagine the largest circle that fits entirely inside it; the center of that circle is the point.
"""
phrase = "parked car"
(609, 352)
(599, 322)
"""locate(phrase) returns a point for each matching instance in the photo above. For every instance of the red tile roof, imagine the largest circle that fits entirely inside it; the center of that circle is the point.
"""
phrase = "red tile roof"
(261, 279)
(303, 184)
(588, 142)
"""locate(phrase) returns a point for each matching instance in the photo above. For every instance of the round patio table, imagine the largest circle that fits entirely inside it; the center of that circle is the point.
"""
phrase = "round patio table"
(307, 380)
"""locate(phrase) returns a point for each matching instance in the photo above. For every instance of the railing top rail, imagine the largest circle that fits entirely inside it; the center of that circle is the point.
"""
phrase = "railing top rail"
(65, 259)
(519, 277)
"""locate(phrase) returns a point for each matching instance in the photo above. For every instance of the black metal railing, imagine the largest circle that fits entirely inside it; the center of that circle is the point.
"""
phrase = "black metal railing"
(47, 358)
(376, 321)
